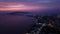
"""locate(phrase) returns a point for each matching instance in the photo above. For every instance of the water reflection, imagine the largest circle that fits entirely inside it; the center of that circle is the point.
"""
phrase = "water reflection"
(10, 24)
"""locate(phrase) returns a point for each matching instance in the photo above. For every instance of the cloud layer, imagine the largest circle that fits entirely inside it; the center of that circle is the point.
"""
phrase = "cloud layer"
(28, 4)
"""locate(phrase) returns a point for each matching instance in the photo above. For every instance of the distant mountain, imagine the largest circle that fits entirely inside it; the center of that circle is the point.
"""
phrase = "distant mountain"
(33, 13)
(19, 13)
(14, 13)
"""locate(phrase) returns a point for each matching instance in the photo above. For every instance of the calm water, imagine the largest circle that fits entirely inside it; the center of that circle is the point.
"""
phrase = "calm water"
(10, 24)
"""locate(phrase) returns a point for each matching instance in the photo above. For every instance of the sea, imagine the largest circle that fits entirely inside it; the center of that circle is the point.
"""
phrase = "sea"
(13, 24)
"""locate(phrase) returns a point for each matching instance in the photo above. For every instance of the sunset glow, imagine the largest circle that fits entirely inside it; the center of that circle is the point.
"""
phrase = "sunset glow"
(22, 5)
(19, 7)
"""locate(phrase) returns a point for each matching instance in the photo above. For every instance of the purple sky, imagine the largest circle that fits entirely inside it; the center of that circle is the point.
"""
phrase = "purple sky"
(20, 5)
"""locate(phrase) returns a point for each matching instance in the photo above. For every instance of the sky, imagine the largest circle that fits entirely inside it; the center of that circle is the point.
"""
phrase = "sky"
(24, 5)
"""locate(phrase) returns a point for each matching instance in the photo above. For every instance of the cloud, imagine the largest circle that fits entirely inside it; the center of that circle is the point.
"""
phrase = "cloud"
(18, 6)
(35, 2)
(28, 4)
